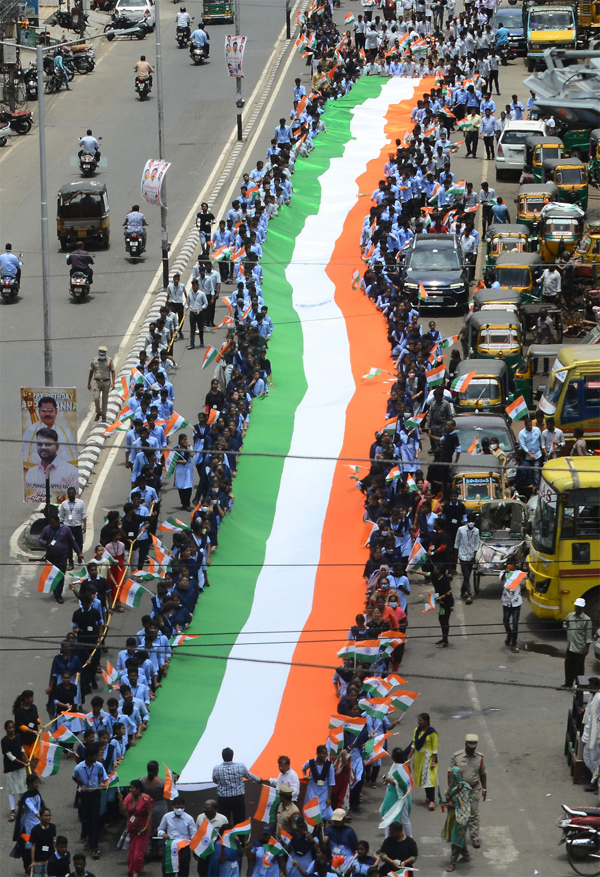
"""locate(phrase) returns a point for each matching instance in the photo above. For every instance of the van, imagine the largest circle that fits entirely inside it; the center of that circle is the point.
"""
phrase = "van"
(510, 153)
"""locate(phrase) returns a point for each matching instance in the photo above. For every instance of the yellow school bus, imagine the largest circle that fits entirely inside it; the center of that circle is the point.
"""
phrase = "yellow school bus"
(564, 557)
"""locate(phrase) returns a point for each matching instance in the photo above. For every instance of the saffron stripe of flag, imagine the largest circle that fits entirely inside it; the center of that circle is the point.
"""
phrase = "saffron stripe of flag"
(49, 762)
(213, 416)
(267, 804)
(312, 812)
(124, 391)
(172, 849)
(460, 384)
(430, 601)
(203, 841)
(514, 579)
(242, 829)
(50, 579)
(117, 426)
(170, 789)
(173, 525)
(131, 593)
(517, 410)
(210, 355)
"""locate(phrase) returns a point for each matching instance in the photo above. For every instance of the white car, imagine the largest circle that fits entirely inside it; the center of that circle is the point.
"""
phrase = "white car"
(510, 151)
(137, 10)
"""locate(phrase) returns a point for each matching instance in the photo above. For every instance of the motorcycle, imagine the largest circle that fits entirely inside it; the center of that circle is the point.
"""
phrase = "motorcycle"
(581, 834)
(507, 53)
(28, 77)
(9, 285)
(198, 54)
(104, 5)
(79, 285)
(134, 244)
(53, 84)
(80, 59)
(122, 26)
(68, 20)
(20, 121)
(182, 36)
(142, 86)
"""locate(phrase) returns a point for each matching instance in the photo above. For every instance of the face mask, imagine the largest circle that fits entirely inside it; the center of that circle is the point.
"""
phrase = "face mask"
(493, 447)
(101, 357)
(470, 525)
(178, 811)
(392, 603)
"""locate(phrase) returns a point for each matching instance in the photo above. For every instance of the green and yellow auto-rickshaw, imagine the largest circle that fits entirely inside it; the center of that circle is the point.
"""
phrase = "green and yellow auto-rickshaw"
(530, 201)
(561, 229)
(477, 478)
(594, 163)
(537, 148)
(496, 335)
(497, 299)
(217, 10)
(520, 271)
(524, 373)
(569, 175)
(490, 390)
(505, 238)
(82, 213)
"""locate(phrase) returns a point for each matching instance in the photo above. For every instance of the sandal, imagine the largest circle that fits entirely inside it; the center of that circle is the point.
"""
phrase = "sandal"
(432, 805)
(451, 868)
(464, 859)
(442, 646)
(11, 818)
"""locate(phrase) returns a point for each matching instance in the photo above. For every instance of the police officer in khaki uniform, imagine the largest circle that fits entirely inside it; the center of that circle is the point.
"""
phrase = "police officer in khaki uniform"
(102, 373)
(472, 768)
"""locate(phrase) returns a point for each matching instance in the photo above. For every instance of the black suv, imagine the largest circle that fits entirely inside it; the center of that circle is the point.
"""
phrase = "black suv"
(436, 261)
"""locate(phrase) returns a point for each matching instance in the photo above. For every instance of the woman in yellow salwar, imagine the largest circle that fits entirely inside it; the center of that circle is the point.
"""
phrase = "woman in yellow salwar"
(424, 752)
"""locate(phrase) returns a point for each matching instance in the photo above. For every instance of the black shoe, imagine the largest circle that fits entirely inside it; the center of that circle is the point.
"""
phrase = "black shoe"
(564, 687)
(191, 347)
(59, 599)
(70, 565)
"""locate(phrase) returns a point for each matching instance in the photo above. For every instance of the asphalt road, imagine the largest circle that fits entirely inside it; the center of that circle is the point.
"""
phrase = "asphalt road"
(477, 685)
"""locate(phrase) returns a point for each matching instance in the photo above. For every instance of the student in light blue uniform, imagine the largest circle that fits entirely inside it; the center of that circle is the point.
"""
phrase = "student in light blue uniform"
(321, 780)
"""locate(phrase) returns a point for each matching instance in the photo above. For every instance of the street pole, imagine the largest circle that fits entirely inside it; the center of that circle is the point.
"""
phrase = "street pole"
(48, 376)
(239, 102)
(164, 222)
(288, 20)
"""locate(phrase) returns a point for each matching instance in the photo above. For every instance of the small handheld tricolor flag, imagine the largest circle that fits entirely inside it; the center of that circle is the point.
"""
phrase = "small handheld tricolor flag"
(372, 373)
(203, 842)
(172, 850)
(517, 410)
(242, 829)
(348, 651)
(49, 763)
(267, 804)
(349, 19)
(182, 637)
(312, 812)
(403, 700)
(430, 601)
(436, 376)
(62, 735)
(394, 474)
(355, 279)
(111, 675)
(160, 552)
(173, 525)
(460, 384)
(273, 848)
(209, 356)
(414, 421)
(474, 447)
(131, 593)
(514, 579)
(376, 707)
(422, 293)
(448, 342)
(50, 579)
(417, 557)
(367, 651)
(170, 789)
(171, 458)
(174, 423)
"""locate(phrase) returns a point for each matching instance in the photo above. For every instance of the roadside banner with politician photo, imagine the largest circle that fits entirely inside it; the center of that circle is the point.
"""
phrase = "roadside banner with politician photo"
(234, 55)
(153, 179)
(49, 442)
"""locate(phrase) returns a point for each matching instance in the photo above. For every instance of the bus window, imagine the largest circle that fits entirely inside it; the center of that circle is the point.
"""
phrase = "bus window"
(571, 408)
(581, 515)
(544, 526)
(591, 398)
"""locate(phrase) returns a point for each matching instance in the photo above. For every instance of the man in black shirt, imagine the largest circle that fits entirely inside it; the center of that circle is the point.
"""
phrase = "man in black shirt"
(59, 863)
(79, 869)
(397, 850)
(131, 525)
(87, 625)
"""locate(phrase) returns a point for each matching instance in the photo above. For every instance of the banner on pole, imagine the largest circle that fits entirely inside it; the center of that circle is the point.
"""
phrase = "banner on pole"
(153, 179)
(234, 55)
(49, 442)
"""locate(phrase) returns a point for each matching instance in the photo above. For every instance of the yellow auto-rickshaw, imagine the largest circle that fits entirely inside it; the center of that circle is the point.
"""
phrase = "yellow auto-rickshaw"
(537, 148)
(561, 228)
(505, 237)
(496, 335)
(569, 175)
(489, 390)
(477, 478)
(520, 271)
(82, 213)
(587, 255)
(497, 299)
(594, 163)
(530, 201)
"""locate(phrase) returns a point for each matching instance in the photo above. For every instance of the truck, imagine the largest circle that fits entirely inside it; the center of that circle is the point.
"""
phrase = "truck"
(550, 23)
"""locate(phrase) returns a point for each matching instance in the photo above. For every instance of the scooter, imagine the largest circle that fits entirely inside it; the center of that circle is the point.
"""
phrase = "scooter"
(182, 36)
(134, 244)
(5, 133)
(28, 77)
(9, 288)
(87, 163)
(581, 834)
(142, 86)
(79, 285)
(20, 121)
(122, 26)
(198, 54)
